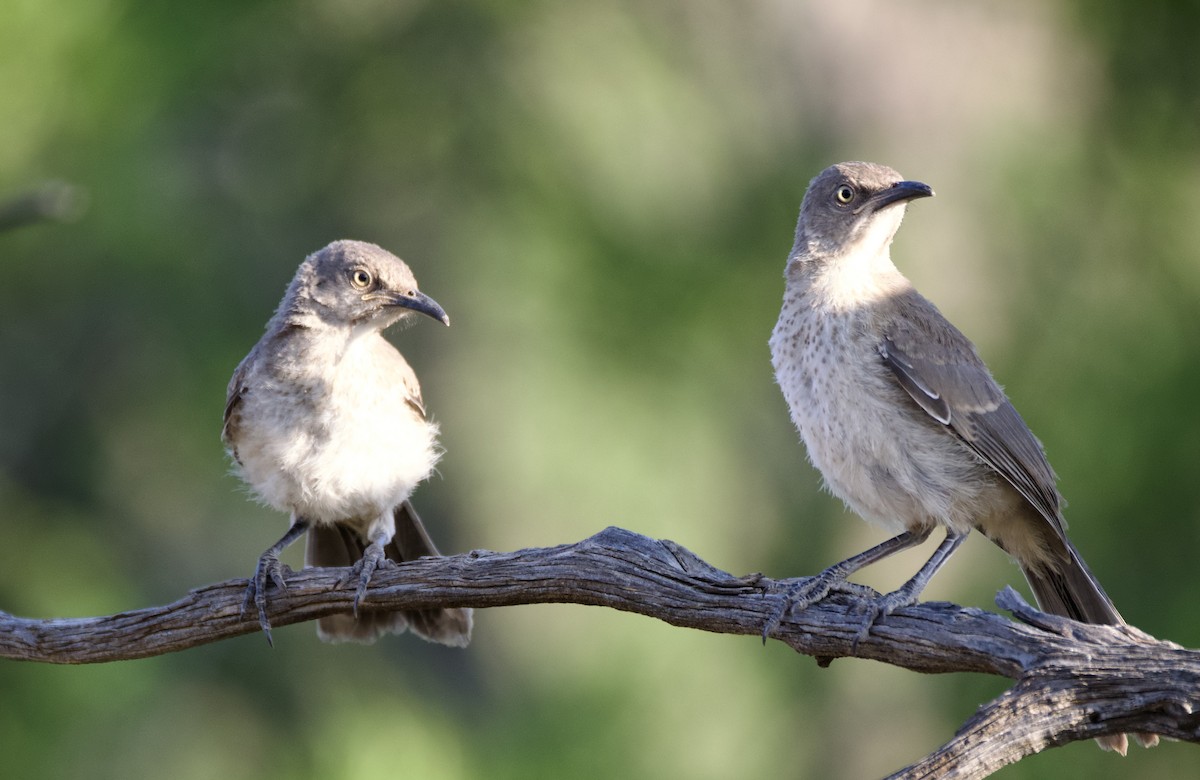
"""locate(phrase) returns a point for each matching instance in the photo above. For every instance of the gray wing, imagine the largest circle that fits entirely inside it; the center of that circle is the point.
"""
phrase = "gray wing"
(936, 365)
(397, 371)
(233, 402)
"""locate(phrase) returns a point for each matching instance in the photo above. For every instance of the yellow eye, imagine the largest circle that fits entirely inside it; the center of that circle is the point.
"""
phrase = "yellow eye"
(360, 278)
(844, 194)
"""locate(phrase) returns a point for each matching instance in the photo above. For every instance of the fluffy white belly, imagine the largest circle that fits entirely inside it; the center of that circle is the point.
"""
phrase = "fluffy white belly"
(348, 449)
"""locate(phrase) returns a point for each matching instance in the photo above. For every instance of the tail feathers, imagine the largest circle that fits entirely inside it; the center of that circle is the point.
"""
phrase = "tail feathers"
(337, 545)
(1072, 591)
(1119, 743)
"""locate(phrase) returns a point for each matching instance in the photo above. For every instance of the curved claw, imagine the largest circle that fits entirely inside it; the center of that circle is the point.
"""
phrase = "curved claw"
(363, 569)
(808, 591)
(800, 596)
(269, 571)
(878, 609)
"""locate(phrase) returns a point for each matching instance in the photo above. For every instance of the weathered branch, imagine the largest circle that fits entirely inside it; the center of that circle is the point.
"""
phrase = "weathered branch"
(1072, 681)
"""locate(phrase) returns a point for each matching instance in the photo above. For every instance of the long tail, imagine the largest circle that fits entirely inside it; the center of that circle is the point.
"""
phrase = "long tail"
(336, 545)
(1073, 591)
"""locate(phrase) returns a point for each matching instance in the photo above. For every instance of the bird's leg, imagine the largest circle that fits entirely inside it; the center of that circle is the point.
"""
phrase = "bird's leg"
(270, 569)
(808, 591)
(908, 593)
(379, 533)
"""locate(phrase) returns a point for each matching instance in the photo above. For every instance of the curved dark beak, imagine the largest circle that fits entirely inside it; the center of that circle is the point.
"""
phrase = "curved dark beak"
(418, 302)
(899, 192)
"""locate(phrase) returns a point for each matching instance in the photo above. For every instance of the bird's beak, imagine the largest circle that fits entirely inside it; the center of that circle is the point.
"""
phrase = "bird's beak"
(416, 301)
(899, 192)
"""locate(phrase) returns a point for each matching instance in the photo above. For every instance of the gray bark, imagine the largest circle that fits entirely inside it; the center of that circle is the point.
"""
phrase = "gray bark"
(1072, 681)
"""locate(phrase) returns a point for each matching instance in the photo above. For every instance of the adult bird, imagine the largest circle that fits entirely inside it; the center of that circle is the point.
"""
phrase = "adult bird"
(901, 416)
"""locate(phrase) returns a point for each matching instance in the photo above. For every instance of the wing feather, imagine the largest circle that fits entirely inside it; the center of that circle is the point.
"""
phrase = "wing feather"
(233, 402)
(939, 368)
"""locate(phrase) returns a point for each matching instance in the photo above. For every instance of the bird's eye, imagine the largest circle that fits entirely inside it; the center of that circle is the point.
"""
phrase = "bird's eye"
(360, 278)
(844, 194)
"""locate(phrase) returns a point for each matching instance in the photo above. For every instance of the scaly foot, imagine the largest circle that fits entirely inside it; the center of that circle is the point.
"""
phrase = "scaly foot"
(879, 608)
(269, 571)
(805, 592)
(373, 559)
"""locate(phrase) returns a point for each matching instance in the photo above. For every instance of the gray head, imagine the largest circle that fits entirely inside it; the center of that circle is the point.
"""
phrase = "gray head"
(853, 205)
(356, 283)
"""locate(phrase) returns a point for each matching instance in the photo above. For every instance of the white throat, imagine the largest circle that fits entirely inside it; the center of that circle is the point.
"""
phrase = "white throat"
(862, 272)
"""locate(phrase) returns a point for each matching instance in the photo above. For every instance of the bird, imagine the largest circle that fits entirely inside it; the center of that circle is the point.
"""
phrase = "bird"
(324, 420)
(902, 417)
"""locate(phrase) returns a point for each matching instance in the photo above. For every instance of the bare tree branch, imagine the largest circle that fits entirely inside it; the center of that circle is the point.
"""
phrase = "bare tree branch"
(1073, 681)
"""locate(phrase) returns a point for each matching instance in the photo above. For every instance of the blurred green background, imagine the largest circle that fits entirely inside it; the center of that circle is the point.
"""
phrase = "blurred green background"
(602, 196)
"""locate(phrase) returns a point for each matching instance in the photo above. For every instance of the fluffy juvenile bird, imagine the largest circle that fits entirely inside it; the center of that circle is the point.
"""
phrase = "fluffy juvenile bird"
(900, 414)
(325, 420)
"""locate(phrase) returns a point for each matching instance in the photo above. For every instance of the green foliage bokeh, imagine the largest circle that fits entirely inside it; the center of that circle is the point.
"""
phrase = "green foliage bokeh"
(602, 196)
